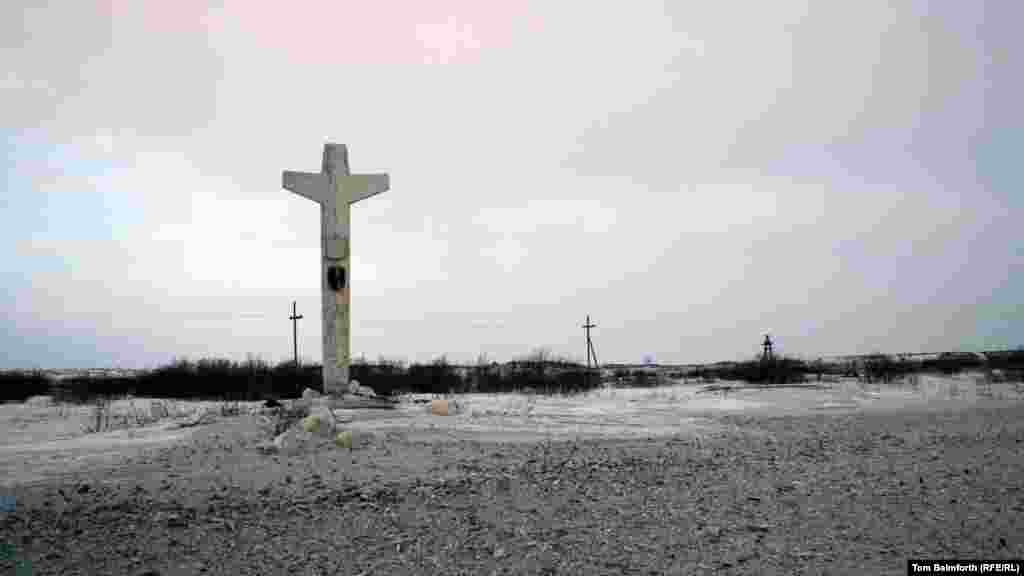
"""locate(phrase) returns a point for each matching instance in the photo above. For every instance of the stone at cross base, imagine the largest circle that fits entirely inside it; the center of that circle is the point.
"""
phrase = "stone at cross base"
(335, 189)
(359, 390)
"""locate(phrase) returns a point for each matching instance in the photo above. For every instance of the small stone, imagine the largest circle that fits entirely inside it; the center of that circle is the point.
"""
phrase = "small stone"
(444, 407)
(175, 521)
(40, 401)
(205, 415)
(320, 421)
(356, 389)
(280, 441)
(344, 439)
(311, 423)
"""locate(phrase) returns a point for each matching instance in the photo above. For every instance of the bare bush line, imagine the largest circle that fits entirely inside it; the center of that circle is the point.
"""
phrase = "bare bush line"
(542, 371)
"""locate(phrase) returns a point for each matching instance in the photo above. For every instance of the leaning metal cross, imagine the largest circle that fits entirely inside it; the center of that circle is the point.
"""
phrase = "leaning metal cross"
(335, 190)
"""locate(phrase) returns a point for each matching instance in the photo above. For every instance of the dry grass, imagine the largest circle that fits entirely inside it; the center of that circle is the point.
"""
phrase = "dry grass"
(103, 417)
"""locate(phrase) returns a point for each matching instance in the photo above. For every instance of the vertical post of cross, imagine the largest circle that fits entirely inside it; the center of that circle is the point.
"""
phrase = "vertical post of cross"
(335, 189)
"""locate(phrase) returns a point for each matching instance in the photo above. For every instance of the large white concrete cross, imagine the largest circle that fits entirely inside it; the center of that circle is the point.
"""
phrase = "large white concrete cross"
(335, 190)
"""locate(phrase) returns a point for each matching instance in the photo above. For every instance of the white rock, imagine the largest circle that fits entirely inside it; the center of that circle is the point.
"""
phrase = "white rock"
(281, 441)
(320, 421)
(39, 401)
(354, 387)
(344, 439)
(205, 415)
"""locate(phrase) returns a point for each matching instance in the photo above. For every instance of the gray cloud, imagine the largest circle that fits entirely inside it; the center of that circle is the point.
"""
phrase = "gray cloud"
(690, 175)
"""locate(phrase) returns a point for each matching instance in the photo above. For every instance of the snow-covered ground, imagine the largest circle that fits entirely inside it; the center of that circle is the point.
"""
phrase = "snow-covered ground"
(628, 412)
(38, 436)
(39, 439)
(39, 420)
(680, 408)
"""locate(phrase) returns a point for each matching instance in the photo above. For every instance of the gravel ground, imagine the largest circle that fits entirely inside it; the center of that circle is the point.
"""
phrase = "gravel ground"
(828, 494)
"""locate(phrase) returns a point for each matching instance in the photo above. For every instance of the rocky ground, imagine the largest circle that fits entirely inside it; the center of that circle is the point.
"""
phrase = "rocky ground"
(819, 494)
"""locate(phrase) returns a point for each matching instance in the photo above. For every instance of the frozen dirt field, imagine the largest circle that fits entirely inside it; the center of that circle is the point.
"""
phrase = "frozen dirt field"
(644, 481)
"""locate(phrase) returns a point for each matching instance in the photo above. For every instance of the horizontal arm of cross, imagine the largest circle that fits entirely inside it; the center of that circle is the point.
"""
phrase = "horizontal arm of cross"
(362, 186)
(317, 187)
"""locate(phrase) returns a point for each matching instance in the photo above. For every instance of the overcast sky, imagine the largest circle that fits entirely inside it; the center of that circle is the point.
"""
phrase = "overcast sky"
(844, 175)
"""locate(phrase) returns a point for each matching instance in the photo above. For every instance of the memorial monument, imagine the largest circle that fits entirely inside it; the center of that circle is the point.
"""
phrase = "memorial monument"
(335, 189)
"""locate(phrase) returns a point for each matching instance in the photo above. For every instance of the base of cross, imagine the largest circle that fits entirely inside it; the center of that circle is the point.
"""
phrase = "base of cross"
(351, 396)
(353, 402)
(353, 387)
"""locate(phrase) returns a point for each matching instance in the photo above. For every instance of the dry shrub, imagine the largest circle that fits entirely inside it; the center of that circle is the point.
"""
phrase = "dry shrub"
(100, 416)
(104, 419)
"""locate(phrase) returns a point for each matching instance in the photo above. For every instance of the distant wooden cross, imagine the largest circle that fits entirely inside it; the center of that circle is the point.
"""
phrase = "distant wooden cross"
(335, 189)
